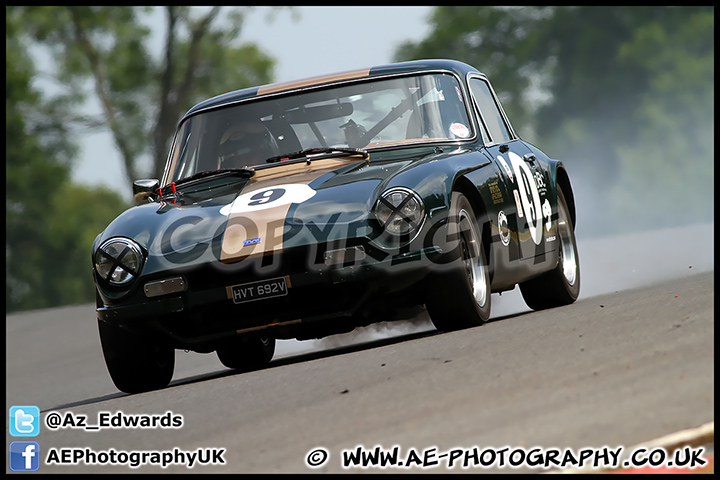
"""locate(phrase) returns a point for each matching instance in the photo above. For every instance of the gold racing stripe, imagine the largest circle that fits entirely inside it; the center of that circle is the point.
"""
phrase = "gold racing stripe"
(278, 87)
(266, 226)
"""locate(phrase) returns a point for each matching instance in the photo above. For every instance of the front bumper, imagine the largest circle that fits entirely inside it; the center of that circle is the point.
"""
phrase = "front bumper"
(321, 301)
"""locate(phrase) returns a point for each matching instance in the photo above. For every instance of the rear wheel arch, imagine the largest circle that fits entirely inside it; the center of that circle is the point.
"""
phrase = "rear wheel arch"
(563, 182)
(561, 285)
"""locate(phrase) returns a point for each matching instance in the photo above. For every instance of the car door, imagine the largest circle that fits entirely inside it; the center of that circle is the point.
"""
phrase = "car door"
(526, 211)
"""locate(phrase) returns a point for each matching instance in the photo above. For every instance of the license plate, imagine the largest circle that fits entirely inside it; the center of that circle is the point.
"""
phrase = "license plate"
(248, 292)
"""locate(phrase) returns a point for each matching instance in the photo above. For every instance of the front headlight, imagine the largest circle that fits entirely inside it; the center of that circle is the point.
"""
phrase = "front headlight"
(118, 261)
(400, 212)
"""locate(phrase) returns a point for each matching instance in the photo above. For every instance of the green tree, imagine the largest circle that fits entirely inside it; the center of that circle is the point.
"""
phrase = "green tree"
(102, 54)
(142, 94)
(78, 215)
(670, 158)
(604, 89)
(500, 42)
(48, 220)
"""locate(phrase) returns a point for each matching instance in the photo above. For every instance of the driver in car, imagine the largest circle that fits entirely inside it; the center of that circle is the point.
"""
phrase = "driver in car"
(246, 144)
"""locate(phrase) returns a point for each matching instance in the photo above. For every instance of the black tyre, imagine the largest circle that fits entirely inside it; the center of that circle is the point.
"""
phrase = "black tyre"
(247, 353)
(560, 286)
(135, 364)
(460, 297)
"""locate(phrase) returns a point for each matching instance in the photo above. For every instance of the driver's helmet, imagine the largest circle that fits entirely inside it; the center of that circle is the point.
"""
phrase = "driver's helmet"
(245, 144)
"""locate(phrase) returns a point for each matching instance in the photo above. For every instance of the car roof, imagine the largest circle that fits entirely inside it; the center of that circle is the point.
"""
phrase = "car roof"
(417, 66)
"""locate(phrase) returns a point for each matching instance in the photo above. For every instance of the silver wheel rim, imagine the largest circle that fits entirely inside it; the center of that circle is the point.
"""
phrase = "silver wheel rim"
(472, 259)
(567, 250)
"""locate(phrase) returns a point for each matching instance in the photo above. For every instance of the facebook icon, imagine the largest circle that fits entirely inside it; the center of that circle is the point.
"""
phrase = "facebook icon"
(24, 456)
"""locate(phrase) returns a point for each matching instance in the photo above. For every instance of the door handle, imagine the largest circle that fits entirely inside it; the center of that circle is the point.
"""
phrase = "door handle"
(504, 148)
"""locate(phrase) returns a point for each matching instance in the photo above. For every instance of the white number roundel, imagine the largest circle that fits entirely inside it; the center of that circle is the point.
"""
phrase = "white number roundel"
(269, 197)
(529, 195)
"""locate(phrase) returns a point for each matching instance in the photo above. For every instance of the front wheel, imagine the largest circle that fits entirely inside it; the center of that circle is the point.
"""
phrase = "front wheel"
(250, 352)
(560, 286)
(135, 364)
(460, 297)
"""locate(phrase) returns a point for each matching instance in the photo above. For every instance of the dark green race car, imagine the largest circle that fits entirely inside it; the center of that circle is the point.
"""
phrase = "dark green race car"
(306, 209)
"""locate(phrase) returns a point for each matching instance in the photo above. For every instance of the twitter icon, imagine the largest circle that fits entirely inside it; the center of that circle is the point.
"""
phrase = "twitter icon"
(24, 421)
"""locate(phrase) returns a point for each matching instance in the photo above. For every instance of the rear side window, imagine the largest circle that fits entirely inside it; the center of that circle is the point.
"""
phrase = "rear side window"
(491, 116)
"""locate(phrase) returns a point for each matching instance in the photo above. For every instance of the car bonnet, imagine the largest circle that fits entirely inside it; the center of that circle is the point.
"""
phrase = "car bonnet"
(299, 195)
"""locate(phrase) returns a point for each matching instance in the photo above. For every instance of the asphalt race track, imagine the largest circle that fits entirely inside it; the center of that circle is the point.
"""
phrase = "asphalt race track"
(631, 361)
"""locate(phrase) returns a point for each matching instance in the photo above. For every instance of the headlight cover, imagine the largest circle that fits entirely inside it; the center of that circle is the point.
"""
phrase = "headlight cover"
(119, 261)
(400, 212)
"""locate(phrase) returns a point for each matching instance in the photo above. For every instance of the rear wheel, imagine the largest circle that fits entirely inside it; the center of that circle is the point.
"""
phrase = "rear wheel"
(135, 364)
(249, 352)
(460, 297)
(560, 286)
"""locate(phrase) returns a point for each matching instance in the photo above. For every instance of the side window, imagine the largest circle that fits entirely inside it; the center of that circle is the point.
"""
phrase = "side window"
(489, 110)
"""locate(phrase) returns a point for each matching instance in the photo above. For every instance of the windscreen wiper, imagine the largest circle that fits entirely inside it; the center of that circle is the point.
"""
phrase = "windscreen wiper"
(245, 171)
(320, 153)
(171, 188)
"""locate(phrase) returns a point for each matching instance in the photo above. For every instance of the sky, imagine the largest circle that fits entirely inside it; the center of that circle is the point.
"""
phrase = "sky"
(312, 41)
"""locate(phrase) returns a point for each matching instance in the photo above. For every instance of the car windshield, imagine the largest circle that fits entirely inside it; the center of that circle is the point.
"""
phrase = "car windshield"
(385, 112)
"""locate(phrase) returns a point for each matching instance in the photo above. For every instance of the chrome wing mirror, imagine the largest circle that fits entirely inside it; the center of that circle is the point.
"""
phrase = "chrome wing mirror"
(145, 191)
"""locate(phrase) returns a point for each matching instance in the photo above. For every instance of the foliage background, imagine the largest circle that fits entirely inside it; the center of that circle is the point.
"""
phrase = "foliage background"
(623, 95)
